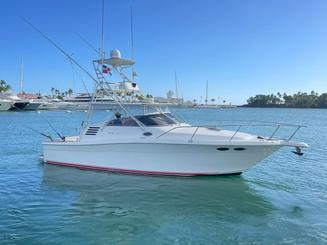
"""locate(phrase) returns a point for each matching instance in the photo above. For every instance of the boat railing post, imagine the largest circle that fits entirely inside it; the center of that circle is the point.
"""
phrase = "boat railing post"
(292, 135)
(196, 130)
(275, 131)
(239, 127)
(168, 131)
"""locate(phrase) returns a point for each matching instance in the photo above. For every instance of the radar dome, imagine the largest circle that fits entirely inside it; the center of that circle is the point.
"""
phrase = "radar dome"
(115, 54)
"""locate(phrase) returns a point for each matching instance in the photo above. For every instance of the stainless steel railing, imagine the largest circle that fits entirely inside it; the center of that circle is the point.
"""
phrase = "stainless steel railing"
(277, 126)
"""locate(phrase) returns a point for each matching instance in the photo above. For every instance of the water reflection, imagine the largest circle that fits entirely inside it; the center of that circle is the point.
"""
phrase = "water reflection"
(155, 194)
(162, 208)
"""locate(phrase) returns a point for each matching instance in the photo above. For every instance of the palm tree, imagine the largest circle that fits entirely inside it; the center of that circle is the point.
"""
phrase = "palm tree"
(4, 87)
(52, 91)
(70, 92)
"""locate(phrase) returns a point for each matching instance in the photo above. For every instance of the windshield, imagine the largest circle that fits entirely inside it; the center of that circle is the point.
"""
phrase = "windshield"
(156, 120)
(148, 120)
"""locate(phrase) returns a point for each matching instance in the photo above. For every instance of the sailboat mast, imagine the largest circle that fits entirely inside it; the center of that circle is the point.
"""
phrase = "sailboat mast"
(21, 75)
(176, 87)
(206, 93)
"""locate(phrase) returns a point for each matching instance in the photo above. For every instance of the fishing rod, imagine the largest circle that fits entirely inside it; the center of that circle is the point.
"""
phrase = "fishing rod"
(80, 77)
(60, 136)
(88, 44)
(43, 134)
(60, 49)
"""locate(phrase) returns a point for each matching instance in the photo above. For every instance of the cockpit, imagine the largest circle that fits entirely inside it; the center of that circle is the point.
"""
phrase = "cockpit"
(150, 120)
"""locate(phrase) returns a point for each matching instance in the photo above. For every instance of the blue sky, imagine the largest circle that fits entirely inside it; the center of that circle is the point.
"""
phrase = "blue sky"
(242, 47)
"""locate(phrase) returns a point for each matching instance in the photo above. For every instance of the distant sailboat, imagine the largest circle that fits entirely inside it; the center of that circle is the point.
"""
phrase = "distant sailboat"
(31, 104)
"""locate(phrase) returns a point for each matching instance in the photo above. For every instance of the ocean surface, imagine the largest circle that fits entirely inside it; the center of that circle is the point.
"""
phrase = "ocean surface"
(281, 200)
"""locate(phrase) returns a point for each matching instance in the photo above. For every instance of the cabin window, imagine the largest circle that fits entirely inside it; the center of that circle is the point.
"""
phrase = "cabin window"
(222, 149)
(127, 121)
(239, 149)
(147, 120)
(156, 120)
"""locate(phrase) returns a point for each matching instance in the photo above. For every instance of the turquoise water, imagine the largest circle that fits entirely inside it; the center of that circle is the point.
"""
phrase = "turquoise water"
(281, 200)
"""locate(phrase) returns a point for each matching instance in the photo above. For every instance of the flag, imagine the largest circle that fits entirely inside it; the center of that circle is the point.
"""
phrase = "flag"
(106, 70)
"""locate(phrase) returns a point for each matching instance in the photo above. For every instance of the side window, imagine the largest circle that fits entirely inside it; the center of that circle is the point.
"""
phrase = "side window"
(129, 122)
(115, 122)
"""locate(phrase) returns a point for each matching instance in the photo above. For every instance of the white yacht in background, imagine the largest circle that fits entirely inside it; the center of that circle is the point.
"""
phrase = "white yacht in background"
(46, 105)
(63, 105)
(158, 143)
(32, 105)
(32, 99)
(17, 103)
(5, 105)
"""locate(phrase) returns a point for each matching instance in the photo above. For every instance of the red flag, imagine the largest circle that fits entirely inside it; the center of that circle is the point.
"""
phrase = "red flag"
(106, 69)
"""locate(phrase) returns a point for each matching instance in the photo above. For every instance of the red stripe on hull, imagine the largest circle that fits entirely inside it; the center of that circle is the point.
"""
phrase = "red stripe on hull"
(118, 170)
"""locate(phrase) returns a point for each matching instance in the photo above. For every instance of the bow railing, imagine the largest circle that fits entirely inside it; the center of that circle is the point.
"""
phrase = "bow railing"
(276, 126)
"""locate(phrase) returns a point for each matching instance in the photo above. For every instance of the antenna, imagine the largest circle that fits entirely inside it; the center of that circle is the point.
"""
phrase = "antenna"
(21, 75)
(102, 33)
(132, 44)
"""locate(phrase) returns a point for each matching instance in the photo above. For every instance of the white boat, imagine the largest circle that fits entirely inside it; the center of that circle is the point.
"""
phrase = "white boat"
(158, 143)
(17, 103)
(46, 104)
(32, 105)
(63, 105)
(5, 105)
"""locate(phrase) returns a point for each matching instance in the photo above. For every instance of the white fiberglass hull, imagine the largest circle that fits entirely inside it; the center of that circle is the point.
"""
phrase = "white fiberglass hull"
(158, 158)
(5, 105)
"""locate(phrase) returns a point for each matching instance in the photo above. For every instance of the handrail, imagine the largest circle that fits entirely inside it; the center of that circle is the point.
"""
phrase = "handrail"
(277, 128)
(239, 127)
(196, 130)
(197, 127)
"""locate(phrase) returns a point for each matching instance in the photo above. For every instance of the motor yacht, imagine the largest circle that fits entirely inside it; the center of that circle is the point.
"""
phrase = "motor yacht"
(17, 103)
(157, 142)
(5, 105)
(32, 105)
(46, 104)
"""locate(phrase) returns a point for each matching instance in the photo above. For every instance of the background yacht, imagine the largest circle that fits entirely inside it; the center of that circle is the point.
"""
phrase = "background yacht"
(17, 103)
(5, 105)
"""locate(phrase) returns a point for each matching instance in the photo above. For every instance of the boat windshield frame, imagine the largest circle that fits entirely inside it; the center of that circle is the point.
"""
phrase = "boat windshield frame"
(148, 120)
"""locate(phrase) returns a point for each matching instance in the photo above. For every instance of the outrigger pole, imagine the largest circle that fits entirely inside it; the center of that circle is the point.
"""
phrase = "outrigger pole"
(82, 68)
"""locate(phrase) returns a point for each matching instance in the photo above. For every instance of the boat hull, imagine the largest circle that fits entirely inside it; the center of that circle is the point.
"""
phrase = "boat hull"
(32, 106)
(47, 106)
(157, 158)
(5, 105)
(19, 105)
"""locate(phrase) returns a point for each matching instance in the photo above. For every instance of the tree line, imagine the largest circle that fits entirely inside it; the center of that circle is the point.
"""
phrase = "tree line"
(56, 93)
(298, 100)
